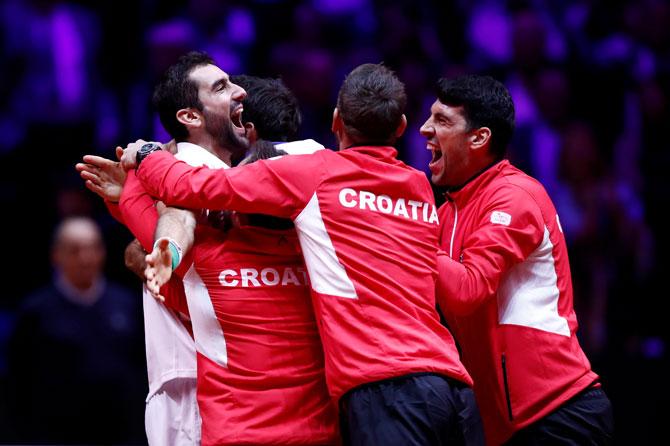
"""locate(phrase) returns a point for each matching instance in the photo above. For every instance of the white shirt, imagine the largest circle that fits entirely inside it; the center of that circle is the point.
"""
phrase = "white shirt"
(169, 346)
(302, 147)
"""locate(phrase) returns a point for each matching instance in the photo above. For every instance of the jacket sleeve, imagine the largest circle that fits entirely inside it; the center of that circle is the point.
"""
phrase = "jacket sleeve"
(508, 229)
(114, 211)
(280, 187)
(175, 297)
(138, 211)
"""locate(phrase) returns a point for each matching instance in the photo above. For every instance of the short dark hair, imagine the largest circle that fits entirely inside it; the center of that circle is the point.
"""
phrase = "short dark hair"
(176, 90)
(371, 103)
(262, 150)
(486, 102)
(270, 106)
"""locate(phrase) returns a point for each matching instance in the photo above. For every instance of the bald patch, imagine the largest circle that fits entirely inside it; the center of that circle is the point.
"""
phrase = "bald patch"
(79, 229)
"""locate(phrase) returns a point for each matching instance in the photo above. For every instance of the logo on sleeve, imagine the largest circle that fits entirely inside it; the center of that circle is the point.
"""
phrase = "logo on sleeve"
(501, 218)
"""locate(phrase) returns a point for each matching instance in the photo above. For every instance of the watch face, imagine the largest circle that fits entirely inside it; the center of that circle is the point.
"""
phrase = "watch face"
(145, 150)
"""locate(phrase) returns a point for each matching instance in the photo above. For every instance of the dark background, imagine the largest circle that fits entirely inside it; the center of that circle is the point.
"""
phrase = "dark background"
(590, 79)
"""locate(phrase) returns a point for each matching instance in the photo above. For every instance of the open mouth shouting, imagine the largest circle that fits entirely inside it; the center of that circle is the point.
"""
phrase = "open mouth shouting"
(236, 119)
(436, 164)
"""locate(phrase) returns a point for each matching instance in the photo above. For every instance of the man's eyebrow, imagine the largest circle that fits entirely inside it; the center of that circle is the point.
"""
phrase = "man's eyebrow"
(440, 115)
(220, 83)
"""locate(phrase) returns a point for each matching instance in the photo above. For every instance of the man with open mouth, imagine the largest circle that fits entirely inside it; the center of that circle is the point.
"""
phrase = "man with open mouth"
(504, 282)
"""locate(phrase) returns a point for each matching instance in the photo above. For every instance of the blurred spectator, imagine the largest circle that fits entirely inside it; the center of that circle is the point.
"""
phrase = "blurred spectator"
(76, 354)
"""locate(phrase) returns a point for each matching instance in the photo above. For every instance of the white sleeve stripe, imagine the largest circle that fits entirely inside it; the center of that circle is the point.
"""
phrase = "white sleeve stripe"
(207, 331)
(528, 294)
(326, 273)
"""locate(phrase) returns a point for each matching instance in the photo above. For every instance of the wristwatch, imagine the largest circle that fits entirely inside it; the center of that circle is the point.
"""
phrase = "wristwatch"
(144, 151)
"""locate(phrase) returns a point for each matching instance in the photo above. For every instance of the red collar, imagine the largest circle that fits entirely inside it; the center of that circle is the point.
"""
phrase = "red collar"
(463, 194)
(386, 154)
(376, 151)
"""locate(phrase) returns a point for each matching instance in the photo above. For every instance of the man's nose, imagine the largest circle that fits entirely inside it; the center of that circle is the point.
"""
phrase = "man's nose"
(240, 94)
(426, 129)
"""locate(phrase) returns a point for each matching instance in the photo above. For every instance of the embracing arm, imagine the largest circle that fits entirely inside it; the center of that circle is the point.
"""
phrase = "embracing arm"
(488, 252)
(176, 225)
(280, 187)
(134, 257)
(175, 234)
(139, 212)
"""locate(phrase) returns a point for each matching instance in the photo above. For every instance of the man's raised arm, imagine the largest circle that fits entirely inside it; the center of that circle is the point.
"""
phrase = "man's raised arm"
(280, 187)
(174, 238)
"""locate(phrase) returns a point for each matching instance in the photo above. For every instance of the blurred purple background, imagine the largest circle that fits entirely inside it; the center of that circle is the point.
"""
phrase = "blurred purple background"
(590, 80)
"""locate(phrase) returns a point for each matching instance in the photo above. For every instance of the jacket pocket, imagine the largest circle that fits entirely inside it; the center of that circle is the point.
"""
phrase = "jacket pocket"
(506, 385)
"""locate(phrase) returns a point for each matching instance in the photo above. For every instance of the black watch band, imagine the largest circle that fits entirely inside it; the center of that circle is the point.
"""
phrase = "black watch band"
(144, 151)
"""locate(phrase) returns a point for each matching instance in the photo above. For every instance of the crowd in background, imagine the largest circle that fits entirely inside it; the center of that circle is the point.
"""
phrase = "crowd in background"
(591, 84)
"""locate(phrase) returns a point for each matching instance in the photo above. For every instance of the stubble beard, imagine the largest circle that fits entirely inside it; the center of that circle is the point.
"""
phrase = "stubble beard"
(222, 130)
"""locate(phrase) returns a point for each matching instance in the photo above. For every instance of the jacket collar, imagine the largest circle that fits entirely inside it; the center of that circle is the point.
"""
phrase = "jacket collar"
(462, 194)
(383, 152)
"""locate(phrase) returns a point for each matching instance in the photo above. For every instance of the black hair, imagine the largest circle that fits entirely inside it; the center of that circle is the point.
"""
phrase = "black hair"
(270, 106)
(371, 103)
(264, 150)
(261, 150)
(176, 90)
(486, 102)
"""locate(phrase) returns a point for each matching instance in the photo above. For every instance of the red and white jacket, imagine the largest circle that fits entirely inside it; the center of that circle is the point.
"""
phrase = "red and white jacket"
(169, 345)
(260, 363)
(505, 289)
(368, 230)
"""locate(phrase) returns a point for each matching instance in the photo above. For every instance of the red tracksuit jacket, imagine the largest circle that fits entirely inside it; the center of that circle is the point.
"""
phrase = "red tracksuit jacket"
(260, 363)
(368, 230)
(506, 292)
(260, 373)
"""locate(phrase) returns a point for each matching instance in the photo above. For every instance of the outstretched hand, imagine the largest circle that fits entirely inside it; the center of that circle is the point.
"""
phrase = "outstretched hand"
(159, 268)
(103, 176)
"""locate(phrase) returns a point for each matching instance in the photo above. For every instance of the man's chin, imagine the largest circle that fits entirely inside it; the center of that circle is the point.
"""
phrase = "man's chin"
(235, 142)
(242, 141)
(437, 179)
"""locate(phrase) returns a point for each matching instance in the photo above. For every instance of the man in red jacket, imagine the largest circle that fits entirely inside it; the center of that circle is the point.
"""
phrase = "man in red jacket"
(504, 280)
(368, 230)
(260, 362)
(260, 371)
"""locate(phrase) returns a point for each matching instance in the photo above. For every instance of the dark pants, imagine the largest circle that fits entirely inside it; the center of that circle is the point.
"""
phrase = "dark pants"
(419, 410)
(586, 419)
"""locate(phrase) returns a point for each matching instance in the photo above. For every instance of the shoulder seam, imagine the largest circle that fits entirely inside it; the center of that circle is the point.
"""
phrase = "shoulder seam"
(518, 186)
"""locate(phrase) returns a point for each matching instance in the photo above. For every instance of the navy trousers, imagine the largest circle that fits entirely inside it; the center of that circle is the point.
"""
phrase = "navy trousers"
(586, 419)
(419, 410)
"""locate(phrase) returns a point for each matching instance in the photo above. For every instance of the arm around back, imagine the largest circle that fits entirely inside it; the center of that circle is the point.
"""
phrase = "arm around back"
(279, 187)
(500, 233)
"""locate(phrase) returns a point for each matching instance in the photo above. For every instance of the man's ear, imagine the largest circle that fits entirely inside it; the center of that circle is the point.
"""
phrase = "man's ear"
(401, 127)
(251, 132)
(337, 124)
(480, 138)
(189, 117)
